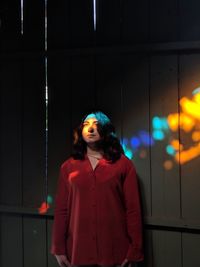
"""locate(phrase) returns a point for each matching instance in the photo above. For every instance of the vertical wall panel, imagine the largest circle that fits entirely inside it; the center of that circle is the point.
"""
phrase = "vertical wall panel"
(33, 132)
(35, 242)
(136, 118)
(81, 23)
(11, 253)
(190, 182)
(82, 88)
(52, 262)
(10, 27)
(34, 25)
(164, 20)
(148, 248)
(58, 24)
(163, 101)
(191, 244)
(108, 21)
(59, 123)
(11, 132)
(135, 21)
(189, 20)
(166, 249)
(109, 88)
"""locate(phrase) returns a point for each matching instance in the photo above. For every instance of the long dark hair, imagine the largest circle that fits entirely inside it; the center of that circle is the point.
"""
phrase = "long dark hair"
(109, 142)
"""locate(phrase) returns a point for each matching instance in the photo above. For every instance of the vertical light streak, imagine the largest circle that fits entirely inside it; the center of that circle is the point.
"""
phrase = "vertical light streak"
(94, 14)
(22, 17)
(46, 106)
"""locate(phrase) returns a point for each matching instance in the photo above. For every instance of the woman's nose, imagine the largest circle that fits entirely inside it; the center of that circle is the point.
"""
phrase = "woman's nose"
(91, 129)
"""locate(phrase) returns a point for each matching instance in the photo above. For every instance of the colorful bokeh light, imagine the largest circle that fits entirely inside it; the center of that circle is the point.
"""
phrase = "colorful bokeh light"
(45, 205)
(187, 121)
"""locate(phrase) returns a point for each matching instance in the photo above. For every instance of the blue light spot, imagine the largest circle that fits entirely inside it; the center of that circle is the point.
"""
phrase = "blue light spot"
(158, 135)
(170, 150)
(151, 141)
(165, 124)
(124, 141)
(135, 142)
(196, 91)
(156, 123)
(160, 123)
(145, 138)
(49, 199)
(129, 154)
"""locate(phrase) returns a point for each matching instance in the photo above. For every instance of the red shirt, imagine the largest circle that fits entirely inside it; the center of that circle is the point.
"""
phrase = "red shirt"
(97, 213)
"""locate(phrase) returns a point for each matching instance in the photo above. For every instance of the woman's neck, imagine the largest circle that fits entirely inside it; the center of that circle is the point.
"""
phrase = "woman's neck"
(94, 151)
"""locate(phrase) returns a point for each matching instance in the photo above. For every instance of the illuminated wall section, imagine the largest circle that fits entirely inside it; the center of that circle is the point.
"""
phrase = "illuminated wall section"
(188, 121)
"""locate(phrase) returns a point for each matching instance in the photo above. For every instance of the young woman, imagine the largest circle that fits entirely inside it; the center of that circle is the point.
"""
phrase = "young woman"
(97, 213)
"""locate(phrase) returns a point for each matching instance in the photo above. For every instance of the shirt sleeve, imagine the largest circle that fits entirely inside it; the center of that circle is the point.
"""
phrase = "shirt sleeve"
(59, 233)
(133, 215)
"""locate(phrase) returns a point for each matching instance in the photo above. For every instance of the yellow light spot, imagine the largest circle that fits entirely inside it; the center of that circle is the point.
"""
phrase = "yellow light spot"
(190, 107)
(197, 98)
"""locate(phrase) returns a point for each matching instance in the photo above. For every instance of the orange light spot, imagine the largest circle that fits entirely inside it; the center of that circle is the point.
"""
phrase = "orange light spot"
(196, 136)
(168, 164)
(184, 121)
(143, 154)
(188, 154)
(176, 145)
(172, 120)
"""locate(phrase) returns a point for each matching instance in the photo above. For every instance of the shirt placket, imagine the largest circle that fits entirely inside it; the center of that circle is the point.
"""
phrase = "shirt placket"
(94, 216)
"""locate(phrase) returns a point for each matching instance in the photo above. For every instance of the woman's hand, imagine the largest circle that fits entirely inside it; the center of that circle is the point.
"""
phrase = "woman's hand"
(126, 263)
(62, 261)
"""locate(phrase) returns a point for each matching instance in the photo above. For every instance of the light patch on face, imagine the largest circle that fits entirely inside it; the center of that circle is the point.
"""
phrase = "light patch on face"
(90, 132)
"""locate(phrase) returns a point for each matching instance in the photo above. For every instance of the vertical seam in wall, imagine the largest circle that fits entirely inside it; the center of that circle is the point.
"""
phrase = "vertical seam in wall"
(150, 130)
(47, 258)
(179, 134)
(70, 97)
(22, 240)
(179, 137)
(122, 108)
(95, 78)
(149, 21)
(22, 154)
(121, 20)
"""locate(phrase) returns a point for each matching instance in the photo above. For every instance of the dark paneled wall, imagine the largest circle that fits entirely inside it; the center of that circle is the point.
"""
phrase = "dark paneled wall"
(143, 57)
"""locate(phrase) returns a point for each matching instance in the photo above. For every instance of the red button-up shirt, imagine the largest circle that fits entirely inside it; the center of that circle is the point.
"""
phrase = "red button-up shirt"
(97, 213)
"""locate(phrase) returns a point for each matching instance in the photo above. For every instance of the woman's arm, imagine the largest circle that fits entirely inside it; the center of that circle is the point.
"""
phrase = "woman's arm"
(133, 214)
(59, 233)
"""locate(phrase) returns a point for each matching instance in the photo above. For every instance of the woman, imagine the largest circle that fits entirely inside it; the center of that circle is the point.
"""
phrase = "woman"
(97, 214)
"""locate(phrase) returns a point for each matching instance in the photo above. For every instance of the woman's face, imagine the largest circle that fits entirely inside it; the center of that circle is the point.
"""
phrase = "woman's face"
(90, 133)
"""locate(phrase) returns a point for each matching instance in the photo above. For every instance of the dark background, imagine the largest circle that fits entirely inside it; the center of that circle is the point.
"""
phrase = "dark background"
(142, 58)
